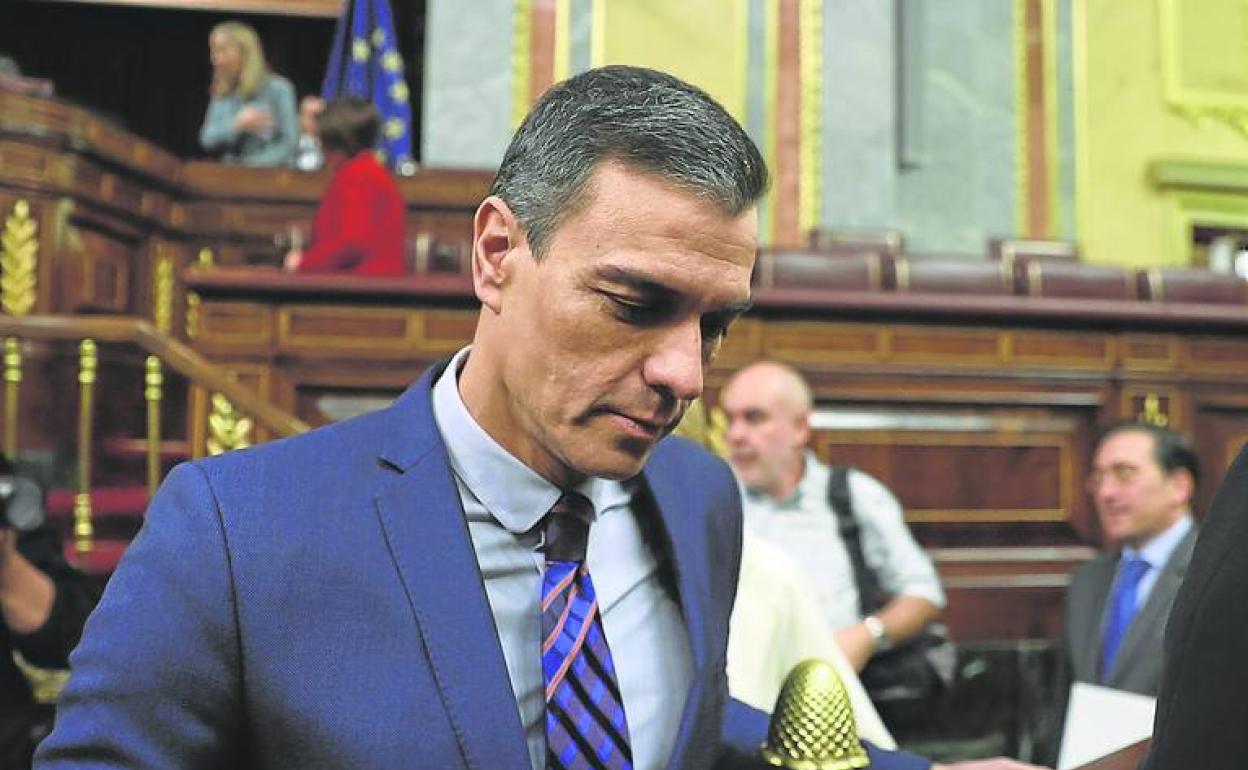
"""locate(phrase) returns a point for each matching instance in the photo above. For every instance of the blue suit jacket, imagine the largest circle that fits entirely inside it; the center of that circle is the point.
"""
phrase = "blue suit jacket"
(316, 603)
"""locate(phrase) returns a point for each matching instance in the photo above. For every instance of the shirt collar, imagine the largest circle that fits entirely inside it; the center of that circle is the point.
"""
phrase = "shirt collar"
(810, 485)
(513, 493)
(1157, 551)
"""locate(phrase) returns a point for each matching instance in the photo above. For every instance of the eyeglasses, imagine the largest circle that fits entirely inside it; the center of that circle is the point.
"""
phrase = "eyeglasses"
(1122, 473)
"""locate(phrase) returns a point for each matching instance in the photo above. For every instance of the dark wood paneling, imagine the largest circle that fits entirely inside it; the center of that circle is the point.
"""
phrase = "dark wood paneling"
(1005, 611)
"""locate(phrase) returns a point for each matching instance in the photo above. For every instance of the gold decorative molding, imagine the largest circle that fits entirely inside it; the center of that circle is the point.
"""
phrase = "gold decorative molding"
(810, 179)
(192, 314)
(88, 363)
(1152, 413)
(521, 58)
(205, 260)
(12, 390)
(563, 40)
(1204, 64)
(19, 256)
(153, 381)
(771, 109)
(162, 293)
(228, 429)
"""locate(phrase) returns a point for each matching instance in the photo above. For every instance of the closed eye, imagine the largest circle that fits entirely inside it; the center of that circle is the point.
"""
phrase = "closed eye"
(636, 311)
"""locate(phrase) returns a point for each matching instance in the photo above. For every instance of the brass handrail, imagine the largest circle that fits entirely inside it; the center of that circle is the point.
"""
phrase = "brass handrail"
(179, 357)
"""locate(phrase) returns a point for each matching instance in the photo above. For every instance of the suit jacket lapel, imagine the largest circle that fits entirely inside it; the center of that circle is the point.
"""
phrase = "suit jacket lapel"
(676, 510)
(1152, 616)
(1088, 631)
(424, 524)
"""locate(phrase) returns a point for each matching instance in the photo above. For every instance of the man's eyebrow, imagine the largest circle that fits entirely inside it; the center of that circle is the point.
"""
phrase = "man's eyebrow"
(642, 283)
(633, 280)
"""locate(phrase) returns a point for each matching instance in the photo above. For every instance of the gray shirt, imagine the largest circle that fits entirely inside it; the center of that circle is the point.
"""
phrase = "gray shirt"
(504, 501)
(275, 147)
(805, 526)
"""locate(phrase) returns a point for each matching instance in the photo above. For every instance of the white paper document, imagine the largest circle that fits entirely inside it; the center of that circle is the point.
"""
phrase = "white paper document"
(1100, 720)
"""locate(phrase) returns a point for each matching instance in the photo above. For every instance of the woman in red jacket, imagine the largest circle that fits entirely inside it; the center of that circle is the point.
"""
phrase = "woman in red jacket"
(359, 225)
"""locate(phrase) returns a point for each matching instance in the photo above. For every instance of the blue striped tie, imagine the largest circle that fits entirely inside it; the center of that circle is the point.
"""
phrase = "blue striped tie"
(585, 723)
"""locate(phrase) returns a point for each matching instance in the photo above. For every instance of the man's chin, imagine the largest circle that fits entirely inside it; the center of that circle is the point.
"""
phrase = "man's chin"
(617, 463)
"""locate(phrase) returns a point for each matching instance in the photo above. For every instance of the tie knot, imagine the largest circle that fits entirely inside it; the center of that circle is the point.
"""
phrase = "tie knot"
(567, 528)
(1133, 569)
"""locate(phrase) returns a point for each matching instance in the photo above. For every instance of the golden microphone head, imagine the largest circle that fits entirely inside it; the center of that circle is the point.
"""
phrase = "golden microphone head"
(813, 726)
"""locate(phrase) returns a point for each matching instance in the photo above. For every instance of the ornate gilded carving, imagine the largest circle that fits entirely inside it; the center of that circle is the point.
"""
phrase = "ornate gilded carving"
(813, 725)
(227, 427)
(19, 255)
(1152, 414)
(205, 260)
(192, 315)
(154, 381)
(12, 388)
(162, 293)
(88, 363)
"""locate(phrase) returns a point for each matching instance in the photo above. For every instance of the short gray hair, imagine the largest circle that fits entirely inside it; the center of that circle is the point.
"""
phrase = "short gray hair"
(644, 119)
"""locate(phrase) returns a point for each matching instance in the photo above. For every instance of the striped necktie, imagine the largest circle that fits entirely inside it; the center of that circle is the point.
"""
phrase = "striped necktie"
(585, 723)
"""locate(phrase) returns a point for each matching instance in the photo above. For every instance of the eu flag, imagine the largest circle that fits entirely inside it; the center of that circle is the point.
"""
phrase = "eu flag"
(365, 63)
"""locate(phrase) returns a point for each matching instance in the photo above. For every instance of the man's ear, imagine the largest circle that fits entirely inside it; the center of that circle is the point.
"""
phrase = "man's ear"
(1183, 484)
(496, 236)
(803, 429)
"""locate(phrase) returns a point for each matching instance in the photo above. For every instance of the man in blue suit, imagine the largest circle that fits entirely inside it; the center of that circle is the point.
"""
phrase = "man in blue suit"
(376, 594)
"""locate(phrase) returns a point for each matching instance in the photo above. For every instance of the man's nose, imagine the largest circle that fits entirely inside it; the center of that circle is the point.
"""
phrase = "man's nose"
(676, 366)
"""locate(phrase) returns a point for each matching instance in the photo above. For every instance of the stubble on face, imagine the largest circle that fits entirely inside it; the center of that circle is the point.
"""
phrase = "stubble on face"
(598, 348)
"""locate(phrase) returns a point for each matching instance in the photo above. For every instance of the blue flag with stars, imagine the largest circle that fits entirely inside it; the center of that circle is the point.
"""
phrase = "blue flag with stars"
(365, 63)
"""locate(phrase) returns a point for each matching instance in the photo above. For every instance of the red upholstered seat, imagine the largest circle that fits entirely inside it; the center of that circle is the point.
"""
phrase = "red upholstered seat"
(1074, 280)
(846, 270)
(948, 276)
(1159, 284)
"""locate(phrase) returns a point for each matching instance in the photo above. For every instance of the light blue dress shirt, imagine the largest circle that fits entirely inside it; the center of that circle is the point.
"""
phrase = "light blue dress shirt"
(805, 526)
(504, 501)
(1157, 553)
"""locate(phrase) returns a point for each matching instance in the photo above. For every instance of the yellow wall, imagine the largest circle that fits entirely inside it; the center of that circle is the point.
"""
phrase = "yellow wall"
(702, 41)
(1124, 124)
